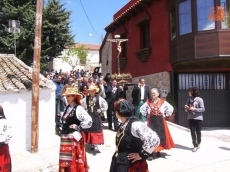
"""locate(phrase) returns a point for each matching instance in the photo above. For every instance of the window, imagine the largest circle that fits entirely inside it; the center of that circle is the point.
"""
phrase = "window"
(173, 23)
(203, 10)
(145, 34)
(203, 81)
(185, 17)
(226, 4)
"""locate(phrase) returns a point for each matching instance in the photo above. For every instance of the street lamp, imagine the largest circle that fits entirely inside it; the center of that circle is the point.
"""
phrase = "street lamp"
(14, 27)
(99, 40)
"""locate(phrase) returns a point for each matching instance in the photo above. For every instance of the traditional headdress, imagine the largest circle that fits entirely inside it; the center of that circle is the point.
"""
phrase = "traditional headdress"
(93, 87)
(126, 108)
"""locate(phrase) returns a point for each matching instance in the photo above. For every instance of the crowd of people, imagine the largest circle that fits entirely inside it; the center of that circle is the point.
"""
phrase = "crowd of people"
(82, 102)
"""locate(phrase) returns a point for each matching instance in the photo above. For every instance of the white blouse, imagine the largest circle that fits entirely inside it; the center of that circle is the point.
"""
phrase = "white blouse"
(102, 103)
(84, 117)
(148, 136)
(166, 109)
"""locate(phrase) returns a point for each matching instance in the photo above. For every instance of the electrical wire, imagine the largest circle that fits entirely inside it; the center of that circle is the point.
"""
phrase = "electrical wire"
(88, 18)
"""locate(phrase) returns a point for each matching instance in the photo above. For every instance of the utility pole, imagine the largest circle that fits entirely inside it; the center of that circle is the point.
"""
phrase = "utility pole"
(36, 74)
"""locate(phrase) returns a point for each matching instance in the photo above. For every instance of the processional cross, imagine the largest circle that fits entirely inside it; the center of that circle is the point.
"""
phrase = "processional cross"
(119, 49)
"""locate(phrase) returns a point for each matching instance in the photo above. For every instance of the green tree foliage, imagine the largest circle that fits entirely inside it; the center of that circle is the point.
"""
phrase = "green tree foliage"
(56, 34)
(75, 56)
(24, 11)
(82, 53)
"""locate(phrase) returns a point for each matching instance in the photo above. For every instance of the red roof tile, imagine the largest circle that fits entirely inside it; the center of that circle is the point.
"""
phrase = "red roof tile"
(16, 75)
(89, 46)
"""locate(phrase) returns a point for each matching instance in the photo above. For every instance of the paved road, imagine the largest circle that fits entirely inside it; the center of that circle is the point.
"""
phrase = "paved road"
(213, 156)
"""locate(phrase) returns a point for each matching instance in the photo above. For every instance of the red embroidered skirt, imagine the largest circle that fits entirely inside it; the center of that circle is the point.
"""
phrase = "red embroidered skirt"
(5, 159)
(94, 138)
(168, 139)
(72, 155)
(138, 166)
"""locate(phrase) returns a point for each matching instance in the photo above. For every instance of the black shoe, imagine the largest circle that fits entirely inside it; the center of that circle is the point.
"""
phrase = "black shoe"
(158, 154)
(151, 157)
(92, 147)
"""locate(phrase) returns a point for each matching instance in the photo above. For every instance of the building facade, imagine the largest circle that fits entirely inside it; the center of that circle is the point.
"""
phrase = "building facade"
(176, 45)
(145, 24)
(200, 56)
(15, 97)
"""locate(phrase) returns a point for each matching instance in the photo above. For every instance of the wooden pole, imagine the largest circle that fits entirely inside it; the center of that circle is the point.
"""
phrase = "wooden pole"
(36, 74)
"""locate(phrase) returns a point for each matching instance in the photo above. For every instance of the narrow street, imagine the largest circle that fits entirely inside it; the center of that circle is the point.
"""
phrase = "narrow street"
(213, 156)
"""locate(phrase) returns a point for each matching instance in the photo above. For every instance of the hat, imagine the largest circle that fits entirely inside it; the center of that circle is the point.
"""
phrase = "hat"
(126, 108)
(93, 87)
(71, 91)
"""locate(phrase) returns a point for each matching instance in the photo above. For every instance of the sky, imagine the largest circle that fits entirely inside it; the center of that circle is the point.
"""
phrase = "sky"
(100, 14)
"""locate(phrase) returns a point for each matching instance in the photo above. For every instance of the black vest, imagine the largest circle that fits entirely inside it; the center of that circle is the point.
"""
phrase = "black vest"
(71, 119)
(127, 142)
(96, 117)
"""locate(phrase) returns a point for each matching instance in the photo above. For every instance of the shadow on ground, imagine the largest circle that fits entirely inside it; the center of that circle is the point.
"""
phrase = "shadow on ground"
(224, 148)
(178, 146)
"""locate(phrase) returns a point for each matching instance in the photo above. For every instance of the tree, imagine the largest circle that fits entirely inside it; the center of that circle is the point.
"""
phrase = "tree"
(56, 34)
(82, 53)
(74, 56)
(24, 11)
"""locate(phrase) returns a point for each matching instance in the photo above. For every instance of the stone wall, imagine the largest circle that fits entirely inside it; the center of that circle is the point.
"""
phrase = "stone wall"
(106, 59)
(158, 80)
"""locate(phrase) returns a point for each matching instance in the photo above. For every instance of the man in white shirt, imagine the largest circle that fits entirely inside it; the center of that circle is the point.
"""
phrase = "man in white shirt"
(140, 94)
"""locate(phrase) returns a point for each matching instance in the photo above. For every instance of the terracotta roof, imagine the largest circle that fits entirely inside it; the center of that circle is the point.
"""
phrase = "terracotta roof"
(125, 13)
(89, 46)
(16, 75)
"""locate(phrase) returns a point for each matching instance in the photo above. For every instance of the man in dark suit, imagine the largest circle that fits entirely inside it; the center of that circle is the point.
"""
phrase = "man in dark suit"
(140, 94)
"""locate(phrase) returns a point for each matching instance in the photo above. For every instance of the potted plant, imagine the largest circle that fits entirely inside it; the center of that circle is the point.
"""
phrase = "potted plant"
(171, 101)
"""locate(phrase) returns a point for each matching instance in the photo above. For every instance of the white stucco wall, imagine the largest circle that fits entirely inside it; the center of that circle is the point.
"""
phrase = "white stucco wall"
(17, 108)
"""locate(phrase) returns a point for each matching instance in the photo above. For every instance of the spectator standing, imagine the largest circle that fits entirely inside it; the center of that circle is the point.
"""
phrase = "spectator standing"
(140, 94)
(195, 108)
(60, 102)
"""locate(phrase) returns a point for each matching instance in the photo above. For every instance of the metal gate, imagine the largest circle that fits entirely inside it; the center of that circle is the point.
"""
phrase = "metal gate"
(215, 91)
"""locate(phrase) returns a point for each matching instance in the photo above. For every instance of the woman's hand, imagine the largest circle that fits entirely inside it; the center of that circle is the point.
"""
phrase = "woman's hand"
(134, 157)
(192, 108)
(186, 106)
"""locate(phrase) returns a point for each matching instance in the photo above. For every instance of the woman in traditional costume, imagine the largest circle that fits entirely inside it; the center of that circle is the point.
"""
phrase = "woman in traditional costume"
(156, 110)
(134, 141)
(74, 120)
(5, 136)
(96, 107)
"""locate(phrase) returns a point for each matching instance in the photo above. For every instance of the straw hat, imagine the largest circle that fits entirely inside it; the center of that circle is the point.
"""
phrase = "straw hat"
(71, 91)
(93, 87)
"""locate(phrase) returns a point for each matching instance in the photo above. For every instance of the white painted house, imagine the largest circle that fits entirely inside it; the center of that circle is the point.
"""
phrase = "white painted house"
(15, 98)
(92, 59)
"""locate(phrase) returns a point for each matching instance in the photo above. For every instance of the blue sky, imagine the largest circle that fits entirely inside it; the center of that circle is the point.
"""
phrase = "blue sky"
(100, 13)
